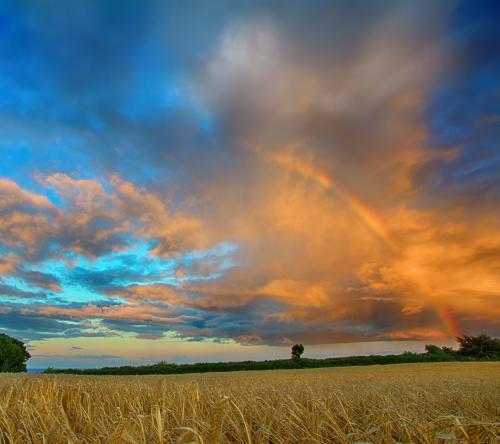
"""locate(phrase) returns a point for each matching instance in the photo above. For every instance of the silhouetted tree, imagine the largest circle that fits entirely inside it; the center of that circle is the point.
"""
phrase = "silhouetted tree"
(481, 346)
(432, 349)
(297, 351)
(13, 354)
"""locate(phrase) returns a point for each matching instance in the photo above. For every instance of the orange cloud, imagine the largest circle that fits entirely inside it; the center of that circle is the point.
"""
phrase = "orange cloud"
(93, 219)
(173, 230)
(139, 313)
(339, 159)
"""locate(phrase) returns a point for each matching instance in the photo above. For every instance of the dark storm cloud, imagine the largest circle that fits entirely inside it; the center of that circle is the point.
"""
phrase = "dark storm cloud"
(464, 109)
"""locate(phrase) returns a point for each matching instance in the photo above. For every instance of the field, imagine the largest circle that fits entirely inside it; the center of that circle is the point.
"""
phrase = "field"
(421, 403)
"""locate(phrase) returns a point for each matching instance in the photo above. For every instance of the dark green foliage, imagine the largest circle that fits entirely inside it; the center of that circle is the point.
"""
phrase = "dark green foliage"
(482, 346)
(409, 354)
(297, 351)
(433, 354)
(13, 354)
(449, 351)
(433, 349)
(440, 351)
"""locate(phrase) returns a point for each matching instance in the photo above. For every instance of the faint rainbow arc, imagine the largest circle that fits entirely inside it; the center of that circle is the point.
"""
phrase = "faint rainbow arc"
(367, 215)
(449, 320)
(371, 219)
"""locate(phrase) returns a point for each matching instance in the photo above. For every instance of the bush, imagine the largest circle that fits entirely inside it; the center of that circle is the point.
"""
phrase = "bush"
(439, 351)
(13, 354)
(482, 346)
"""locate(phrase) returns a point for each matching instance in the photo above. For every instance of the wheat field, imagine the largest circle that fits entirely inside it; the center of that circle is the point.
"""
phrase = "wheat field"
(420, 403)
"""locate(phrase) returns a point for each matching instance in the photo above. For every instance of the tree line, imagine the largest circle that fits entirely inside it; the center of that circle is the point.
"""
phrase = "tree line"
(13, 358)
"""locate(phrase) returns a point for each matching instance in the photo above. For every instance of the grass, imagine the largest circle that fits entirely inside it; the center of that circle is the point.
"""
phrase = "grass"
(420, 403)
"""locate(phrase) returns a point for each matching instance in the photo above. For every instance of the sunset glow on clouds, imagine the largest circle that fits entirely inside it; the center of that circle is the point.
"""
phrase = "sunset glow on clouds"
(220, 180)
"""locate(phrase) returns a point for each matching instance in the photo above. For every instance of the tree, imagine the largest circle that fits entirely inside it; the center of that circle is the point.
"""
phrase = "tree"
(432, 349)
(439, 351)
(13, 354)
(297, 351)
(481, 346)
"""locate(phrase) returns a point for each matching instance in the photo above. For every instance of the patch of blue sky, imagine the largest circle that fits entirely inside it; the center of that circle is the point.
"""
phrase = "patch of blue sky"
(4, 249)
(173, 96)
(133, 167)
(71, 292)
(26, 85)
(85, 280)
(480, 166)
(150, 97)
(25, 156)
(153, 99)
(204, 118)
(95, 122)
(205, 121)
(156, 86)
(457, 107)
(15, 160)
(54, 267)
(143, 267)
(17, 301)
(20, 284)
(27, 295)
(136, 258)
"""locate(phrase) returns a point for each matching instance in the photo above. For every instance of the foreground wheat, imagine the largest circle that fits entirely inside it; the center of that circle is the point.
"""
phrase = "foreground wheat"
(447, 402)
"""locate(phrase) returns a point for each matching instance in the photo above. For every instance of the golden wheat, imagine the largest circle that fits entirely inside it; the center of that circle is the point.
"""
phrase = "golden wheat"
(421, 403)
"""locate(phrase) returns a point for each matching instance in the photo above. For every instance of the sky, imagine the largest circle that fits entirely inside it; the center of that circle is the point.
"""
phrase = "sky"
(203, 181)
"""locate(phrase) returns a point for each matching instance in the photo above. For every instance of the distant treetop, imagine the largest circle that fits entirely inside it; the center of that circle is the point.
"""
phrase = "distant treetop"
(297, 351)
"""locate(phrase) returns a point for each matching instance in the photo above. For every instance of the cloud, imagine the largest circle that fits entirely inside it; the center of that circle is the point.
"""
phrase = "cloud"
(12, 291)
(39, 279)
(25, 217)
(355, 119)
(148, 336)
(78, 356)
(352, 165)
(26, 324)
(90, 221)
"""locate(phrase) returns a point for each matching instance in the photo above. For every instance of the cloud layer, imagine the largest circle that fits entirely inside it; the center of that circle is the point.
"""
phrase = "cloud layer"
(317, 173)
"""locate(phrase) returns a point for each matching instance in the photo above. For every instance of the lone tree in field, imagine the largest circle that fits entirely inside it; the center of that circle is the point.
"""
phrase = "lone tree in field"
(13, 354)
(297, 351)
(482, 346)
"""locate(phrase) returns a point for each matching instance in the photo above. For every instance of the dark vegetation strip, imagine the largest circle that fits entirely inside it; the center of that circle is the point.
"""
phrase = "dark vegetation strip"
(433, 354)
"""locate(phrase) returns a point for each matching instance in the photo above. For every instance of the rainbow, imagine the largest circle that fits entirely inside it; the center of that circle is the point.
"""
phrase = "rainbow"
(367, 215)
(448, 318)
